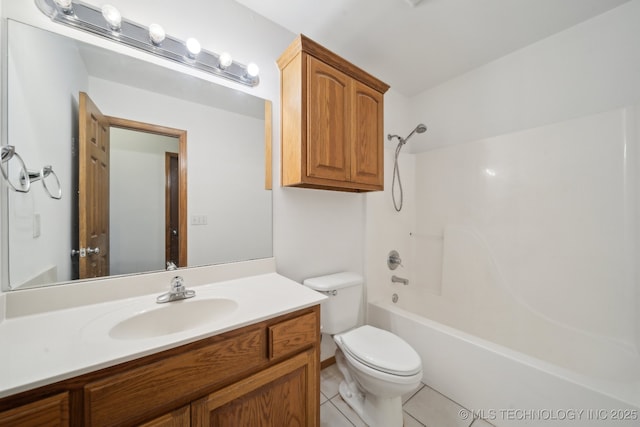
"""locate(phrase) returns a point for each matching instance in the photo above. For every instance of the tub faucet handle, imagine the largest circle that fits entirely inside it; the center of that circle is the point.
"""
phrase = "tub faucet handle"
(394, 260)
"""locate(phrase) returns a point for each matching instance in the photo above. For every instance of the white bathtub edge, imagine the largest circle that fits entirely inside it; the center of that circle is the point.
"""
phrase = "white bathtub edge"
(493, 380)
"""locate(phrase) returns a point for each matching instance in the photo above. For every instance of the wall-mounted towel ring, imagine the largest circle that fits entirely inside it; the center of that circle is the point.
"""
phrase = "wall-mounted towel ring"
(9, 153)
(26, 176)
(43, 174)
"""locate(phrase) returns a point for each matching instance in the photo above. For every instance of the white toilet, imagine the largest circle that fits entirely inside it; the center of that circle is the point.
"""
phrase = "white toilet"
(378, 366)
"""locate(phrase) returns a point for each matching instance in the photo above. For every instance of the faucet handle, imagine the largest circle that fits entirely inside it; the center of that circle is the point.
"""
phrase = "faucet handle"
(171, 266)
(394, 260)
(177, 284)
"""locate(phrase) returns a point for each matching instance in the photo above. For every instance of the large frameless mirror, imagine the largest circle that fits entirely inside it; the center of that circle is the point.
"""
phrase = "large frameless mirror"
(180, 179)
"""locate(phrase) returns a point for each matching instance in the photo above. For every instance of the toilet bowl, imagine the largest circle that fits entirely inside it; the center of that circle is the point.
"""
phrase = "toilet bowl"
(377, 365)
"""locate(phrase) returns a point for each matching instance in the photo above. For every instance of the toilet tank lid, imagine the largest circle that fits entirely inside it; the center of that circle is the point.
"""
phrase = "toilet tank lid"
(333, 281)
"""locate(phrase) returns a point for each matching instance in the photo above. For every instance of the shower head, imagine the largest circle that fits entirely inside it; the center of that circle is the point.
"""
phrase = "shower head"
(420, 129)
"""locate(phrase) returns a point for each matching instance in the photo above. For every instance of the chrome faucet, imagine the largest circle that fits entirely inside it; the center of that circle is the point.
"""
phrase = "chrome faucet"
(396, 279)
(177, 292)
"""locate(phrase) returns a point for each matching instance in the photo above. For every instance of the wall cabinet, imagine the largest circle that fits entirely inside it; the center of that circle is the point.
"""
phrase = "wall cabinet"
(332, 121)
(266, 374)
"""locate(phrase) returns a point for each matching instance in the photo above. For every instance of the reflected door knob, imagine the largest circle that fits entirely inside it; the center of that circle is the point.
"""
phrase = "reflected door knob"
(83, 252)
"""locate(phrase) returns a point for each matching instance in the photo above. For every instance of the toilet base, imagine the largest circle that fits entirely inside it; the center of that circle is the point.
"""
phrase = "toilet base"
(375, 411)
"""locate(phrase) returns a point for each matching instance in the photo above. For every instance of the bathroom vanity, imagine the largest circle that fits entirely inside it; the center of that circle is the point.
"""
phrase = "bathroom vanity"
(258, 364)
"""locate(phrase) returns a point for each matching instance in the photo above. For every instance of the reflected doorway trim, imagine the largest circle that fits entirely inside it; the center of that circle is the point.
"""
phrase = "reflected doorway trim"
(171, 208)
(182, 153)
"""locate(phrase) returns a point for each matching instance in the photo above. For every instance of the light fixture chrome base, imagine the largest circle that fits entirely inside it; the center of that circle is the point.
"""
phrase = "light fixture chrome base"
(88, 18)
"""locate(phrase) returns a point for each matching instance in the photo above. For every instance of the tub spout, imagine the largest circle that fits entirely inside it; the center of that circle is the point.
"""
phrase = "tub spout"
(396, 279)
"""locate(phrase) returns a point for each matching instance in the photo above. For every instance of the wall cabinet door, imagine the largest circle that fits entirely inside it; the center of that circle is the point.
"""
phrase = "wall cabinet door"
(328, 130)
(367, 153)
(286, 394)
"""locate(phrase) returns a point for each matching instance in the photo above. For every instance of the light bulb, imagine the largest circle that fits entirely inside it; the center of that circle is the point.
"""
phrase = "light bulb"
(65, 5)
(156, 34)
(193, 46)
(252, 70)
(225, 60)
(112, 16)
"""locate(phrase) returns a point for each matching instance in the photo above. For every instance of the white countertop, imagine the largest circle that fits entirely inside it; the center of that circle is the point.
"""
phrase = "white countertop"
(46, 347)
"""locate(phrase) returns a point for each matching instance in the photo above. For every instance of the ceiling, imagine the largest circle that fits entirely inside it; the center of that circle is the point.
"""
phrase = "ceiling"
(416, 48)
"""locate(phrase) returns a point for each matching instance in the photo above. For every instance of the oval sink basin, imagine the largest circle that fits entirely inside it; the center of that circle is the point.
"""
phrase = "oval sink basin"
(172, 317)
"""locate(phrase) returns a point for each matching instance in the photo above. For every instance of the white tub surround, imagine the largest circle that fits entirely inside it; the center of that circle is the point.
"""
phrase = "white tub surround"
(523, 270)
(42, 347)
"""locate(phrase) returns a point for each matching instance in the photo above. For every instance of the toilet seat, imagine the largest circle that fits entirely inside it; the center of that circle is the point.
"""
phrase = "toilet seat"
(381, 350)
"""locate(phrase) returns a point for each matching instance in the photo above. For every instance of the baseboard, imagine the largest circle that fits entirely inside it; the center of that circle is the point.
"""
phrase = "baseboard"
(327, 362)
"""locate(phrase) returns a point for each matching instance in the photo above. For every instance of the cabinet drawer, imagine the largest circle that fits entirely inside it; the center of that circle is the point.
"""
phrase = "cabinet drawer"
(52, 411)
(292, 335)
(134, 394)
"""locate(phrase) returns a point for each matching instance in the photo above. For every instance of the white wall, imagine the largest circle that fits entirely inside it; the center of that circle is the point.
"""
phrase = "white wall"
(51, 250)
(136, 183)
(228, 191)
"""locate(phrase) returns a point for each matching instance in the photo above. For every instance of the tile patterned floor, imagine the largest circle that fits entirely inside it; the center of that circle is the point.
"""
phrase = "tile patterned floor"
(424, 407)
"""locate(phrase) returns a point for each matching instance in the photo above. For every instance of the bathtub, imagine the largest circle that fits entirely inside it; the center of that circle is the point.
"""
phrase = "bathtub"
(502, 383)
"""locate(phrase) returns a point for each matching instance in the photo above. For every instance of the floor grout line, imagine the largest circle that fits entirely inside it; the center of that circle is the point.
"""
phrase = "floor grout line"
(422, 385)
(342, 413)
(413, 418)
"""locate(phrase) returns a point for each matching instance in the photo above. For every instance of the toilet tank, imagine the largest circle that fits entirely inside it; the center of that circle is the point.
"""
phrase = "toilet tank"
(340, 311)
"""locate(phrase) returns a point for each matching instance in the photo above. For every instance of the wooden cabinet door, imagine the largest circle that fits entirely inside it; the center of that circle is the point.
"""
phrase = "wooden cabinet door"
(52, 411)
(328, 133)
(285, 394)
(178, 418)
(367, 157)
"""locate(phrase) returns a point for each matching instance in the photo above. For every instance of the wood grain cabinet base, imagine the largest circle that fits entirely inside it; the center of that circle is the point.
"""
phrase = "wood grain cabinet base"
(332, 121)
(266, 374)
(50, 411)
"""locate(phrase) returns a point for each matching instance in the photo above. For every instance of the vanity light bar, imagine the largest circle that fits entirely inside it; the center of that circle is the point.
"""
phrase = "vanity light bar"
(109, 24)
